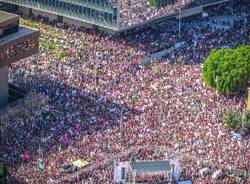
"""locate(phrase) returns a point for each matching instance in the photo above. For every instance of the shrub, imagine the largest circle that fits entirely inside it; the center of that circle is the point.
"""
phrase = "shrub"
(246, 119)
(232, 119)
(228, 70)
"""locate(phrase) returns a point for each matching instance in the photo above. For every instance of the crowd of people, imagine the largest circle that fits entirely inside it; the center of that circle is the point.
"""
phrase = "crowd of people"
(103, 105)
(132, 13)
(13, 50)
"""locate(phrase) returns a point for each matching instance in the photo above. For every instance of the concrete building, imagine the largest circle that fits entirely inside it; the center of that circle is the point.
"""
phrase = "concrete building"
(16, 43)
(108, 15)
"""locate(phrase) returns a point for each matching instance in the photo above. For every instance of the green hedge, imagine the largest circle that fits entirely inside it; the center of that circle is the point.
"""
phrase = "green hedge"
(228, 70)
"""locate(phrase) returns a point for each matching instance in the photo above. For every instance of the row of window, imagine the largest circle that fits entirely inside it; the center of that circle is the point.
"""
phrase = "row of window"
(93, 10)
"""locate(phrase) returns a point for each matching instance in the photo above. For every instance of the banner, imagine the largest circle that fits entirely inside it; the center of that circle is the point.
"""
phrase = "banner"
(120, 171)
(80, 163)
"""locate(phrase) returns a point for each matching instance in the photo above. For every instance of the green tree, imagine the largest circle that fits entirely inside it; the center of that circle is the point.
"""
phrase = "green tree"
(246, 119)
(3, 173)
(228, 70)
(153, 3)
(161, 3)
(232, 119)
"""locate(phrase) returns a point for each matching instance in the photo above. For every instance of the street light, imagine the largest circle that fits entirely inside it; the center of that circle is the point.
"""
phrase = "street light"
(179, 22)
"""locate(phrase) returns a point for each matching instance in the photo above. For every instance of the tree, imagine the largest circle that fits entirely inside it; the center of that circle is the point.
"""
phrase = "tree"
(246, 119)
(232, 119)
(161, 3)
(153, 3)
(3, 173)
(228, 70)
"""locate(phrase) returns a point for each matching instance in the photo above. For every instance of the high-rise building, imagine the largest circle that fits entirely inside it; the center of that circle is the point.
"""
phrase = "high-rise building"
(114, 15)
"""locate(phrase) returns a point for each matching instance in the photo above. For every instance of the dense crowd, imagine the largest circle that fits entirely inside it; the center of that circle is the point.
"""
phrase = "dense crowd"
(13, 50)
(140, 11)
(103, 103)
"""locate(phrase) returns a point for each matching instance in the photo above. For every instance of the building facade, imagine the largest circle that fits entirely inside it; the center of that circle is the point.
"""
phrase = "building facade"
(111, 14)
(16, 43)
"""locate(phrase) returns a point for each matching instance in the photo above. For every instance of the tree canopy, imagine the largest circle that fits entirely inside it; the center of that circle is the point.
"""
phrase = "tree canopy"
(232, 119)
(161, 3)
(3, 172)
(246, 119)
(228, 70)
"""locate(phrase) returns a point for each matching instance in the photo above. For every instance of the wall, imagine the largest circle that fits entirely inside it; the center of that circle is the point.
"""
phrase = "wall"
(37, 12)
(55, 17)
(4, 85)
(77, 23)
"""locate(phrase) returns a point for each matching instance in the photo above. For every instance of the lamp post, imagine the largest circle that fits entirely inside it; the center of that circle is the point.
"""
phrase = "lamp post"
(121, 134)
(248, 101)
(245, 23)
(179, 22)
(171, 174)
(118, 13)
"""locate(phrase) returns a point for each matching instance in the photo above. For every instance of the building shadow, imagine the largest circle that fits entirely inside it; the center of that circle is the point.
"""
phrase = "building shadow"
(68, 108)
(13, 180)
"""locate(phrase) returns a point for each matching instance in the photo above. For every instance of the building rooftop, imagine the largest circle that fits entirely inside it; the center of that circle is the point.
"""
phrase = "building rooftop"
(7, 17)
(18, 45)
(22, 32)
(150, 166)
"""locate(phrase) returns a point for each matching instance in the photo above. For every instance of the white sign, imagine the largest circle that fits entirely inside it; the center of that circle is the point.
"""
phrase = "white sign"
(120, 171)
(177, 168)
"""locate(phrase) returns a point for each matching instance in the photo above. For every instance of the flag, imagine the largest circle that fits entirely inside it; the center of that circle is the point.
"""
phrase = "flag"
(26, 156)
(109, 147)
(133, 99)
(40, 165)
(58, 146)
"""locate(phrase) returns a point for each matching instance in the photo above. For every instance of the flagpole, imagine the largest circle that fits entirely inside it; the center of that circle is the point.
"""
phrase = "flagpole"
(118, 13)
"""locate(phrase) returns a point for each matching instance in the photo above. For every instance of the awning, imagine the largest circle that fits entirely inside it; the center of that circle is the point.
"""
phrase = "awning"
(150, 166)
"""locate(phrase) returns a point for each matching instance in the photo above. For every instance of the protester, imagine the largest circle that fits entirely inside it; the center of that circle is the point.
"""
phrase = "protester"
(103, 103)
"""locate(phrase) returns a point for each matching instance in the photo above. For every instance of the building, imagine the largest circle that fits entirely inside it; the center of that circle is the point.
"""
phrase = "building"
(111, 15)
(16, 42)
(151, 168)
